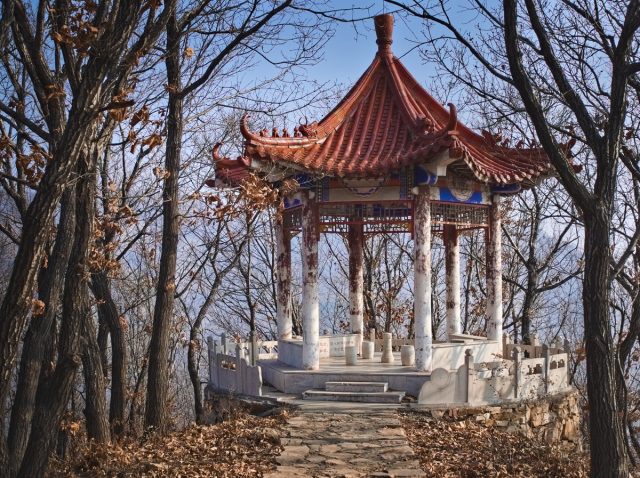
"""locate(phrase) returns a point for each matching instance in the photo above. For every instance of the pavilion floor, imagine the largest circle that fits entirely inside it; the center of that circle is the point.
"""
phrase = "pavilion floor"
(288, 379)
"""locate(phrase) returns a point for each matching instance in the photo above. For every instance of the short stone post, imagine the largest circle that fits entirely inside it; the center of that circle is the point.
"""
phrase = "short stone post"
(217, 364)
(239, 377)
(468, 363)
(547, 366)
(372, 335)
(387, 348)
(408, 355)
(505, 342)
(367, 349)
(535, 340)
(351, 355)
(567, 350)
(212, 358)
(253, 348)
(517, 359)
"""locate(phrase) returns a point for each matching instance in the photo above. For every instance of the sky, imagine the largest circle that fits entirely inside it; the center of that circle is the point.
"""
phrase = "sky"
(353, 47)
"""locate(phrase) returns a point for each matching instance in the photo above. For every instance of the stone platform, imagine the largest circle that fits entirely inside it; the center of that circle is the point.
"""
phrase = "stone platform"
(288, 379)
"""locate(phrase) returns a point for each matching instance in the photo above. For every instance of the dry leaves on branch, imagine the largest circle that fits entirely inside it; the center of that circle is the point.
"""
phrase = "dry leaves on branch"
(245, 446)
(464, 449)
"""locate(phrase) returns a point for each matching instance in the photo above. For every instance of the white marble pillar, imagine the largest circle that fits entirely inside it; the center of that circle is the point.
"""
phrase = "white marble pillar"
(284, 322)
(355, 239)
(452, 281)
(310, 303)
(422, 280)
(494, 272)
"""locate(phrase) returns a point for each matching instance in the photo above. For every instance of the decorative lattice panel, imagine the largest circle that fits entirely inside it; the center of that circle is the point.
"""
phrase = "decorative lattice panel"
(463, 216)
(390, 216)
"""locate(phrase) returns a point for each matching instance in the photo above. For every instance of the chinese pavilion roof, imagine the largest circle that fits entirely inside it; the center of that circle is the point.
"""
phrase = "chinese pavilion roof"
(386, 122)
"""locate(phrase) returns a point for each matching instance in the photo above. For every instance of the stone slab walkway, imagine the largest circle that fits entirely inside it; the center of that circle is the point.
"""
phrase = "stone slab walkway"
(336, 443)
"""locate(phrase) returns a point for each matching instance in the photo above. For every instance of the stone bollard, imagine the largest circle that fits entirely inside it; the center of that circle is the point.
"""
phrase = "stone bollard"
(517, 364)
(351, 355)
(387, 348)
(408, 355)
(367, 349)
(468, 365)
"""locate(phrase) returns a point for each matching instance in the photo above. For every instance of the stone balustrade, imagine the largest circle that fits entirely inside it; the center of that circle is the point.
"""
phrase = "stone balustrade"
(494, 381)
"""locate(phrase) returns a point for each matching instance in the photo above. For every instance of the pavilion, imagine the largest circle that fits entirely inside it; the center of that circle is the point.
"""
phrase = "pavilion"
(387, 158)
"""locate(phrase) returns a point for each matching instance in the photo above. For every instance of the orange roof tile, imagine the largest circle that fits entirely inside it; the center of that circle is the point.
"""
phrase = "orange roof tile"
(388, 121)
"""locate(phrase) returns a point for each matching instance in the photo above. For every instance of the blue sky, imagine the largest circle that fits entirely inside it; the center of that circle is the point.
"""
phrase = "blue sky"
(353, 47)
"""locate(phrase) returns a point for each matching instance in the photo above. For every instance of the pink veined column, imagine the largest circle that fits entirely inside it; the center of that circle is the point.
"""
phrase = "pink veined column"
(310, 303)
(355, 239)
(494, 272)
(452, 282)
(422, 280)
(283, 272)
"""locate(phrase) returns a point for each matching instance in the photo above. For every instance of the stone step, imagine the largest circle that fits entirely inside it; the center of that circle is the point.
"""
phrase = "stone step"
(356, 386)
(368, 397)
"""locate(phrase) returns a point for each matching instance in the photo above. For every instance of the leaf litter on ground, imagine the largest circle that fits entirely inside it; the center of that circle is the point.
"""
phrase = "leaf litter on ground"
(450, 447)
(244, 446)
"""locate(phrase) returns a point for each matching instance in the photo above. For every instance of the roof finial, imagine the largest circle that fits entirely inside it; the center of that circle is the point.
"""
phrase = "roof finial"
(384, 32)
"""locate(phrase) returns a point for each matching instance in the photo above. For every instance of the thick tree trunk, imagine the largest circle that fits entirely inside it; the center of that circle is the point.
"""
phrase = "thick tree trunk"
(95, 410)
(158, 378)
(607, 444)
(17, 303)
(53, 394)
(38, 342)
(108, 313)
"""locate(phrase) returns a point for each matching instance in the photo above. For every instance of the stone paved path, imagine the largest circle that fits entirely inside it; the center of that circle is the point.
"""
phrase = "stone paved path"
(346, 444)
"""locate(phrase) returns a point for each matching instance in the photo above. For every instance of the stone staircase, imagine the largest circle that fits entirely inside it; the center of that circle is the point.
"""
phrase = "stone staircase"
(370, 392)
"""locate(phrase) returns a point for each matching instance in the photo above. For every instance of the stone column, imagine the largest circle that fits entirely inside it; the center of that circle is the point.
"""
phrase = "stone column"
(422, 280)
(494, 272)
(310, 304)
(283, 272)
(452, 266)
(355, 240)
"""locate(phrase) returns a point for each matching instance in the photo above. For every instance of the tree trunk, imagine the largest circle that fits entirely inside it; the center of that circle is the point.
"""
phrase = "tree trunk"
(38, 343)
(607, 445)
(158, 378)
(95, 402)
(53, 394)
(17, 303)
(528, 303)
(108, 313)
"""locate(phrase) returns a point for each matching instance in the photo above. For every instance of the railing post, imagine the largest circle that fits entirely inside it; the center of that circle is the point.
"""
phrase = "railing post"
(547, 366)
(254, 348)
(223, 341)
(468, 362)
(238, 368)
(517, 359)
(212, 357)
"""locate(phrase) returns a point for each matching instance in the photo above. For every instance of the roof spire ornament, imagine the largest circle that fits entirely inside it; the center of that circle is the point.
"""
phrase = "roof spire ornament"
(384, 33)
